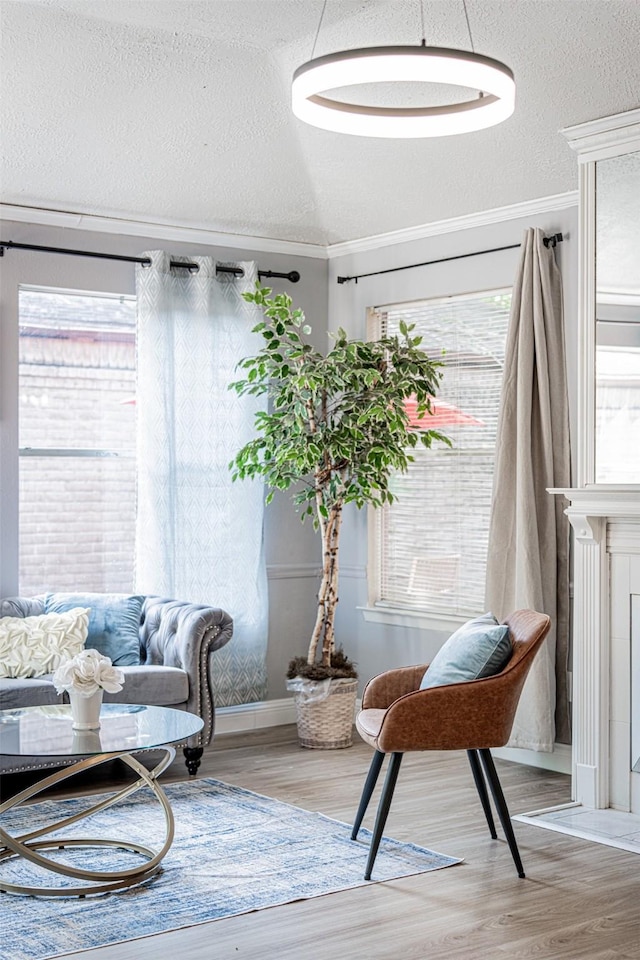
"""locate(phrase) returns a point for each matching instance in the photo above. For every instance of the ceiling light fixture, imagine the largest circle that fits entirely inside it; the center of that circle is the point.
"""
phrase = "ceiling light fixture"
(494, 81)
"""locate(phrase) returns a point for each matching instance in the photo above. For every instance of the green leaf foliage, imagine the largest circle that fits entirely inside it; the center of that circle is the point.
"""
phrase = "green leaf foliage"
(337, 423)
(336, 431)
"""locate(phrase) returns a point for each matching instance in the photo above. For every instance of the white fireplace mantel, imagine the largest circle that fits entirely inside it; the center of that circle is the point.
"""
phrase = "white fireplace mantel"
(590, 505)
(603, 500)
(605, 517)
(594, 511)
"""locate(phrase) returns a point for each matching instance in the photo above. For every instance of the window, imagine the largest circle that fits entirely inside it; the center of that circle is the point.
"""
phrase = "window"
(431, 545)
(77, 441)
(617, 394)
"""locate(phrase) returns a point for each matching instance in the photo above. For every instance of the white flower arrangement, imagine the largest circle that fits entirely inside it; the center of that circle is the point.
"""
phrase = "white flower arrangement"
(88, 672)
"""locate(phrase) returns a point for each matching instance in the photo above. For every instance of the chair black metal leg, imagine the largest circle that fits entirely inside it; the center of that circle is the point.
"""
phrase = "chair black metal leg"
(501, 806)
(383, 810)
(367, 790)
(481, 787)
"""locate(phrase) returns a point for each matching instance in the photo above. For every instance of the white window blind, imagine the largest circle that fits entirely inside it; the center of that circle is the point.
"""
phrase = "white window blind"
(431, 544)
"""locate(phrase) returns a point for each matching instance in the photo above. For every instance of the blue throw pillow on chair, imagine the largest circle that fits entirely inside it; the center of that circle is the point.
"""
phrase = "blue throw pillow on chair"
(114, 622)
(479, 648)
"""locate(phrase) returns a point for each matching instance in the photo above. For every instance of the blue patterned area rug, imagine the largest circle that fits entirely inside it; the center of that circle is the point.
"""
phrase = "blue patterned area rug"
(234, 851)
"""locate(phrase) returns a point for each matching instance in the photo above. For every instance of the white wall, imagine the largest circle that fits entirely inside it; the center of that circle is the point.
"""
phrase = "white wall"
(376, 647)
(292, 551)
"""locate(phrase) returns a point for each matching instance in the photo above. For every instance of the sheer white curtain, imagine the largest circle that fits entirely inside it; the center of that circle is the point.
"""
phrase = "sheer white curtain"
(527, 564)
(199, 536)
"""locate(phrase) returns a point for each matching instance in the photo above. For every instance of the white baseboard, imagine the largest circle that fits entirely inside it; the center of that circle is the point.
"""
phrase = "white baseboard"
(255, 716)
(276, 713)
(559, 761)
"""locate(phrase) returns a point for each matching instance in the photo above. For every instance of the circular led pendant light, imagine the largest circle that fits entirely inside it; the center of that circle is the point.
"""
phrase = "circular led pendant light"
(405, 64)
(408, 64)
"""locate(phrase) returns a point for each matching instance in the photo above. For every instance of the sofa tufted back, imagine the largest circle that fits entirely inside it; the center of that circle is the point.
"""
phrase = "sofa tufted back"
(168, 628)
(165, 622)
(22, 607)
(35, 606)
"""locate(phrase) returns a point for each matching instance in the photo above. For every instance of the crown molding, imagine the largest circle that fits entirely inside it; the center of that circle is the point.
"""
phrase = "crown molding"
(605, 137)
(170, 230)
(158, 230)
(527, 208)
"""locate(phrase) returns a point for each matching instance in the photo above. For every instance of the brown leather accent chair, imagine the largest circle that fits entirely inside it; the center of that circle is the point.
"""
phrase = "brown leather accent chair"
(397, 717)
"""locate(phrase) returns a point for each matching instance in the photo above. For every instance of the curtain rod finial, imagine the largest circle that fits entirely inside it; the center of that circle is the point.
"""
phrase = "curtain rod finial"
(553, 241)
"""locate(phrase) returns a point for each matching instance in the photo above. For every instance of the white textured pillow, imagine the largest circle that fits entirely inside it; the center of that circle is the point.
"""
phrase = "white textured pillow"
(32, 646)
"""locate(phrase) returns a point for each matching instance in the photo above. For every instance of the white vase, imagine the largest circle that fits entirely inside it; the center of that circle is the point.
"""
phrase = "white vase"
(85, 711)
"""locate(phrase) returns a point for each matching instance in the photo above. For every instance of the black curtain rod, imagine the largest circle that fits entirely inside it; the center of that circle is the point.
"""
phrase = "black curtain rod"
(293, 276)
(548, 242)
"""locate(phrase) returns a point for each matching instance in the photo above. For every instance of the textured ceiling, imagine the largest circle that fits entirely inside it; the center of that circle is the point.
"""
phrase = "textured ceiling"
(178, 110)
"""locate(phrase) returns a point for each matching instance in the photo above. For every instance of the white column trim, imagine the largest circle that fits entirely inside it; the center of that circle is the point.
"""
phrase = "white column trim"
(591, 661)
(594, 510)
(585, 441)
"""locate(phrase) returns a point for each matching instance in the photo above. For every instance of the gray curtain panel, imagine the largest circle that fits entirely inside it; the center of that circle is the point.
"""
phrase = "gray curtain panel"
(529, 533)
(199, 536)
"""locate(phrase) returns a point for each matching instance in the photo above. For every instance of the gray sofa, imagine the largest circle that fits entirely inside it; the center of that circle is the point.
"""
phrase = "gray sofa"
(178, 642)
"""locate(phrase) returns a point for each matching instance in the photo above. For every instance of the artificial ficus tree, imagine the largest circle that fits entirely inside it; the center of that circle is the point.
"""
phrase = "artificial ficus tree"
(336, 431)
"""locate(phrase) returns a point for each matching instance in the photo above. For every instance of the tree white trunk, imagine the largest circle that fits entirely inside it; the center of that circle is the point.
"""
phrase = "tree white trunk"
(328, 592)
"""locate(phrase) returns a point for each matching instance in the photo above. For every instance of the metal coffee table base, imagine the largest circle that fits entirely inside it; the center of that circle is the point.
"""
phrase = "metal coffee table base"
(29, 845)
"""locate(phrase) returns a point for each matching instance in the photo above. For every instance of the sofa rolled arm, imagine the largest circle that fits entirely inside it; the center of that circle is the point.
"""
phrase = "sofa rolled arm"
(174, 633)
(387, 687)
(22, 607)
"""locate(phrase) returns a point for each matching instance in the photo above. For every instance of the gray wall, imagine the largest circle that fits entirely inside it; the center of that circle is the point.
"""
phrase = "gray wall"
(292, 551)
(376, 647)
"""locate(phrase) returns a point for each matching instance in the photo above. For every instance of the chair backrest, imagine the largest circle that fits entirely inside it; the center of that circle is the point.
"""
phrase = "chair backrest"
(528, 630)
(474, 714)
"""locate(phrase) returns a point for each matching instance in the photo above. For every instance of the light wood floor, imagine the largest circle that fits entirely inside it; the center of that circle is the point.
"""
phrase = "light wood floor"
(579, 902)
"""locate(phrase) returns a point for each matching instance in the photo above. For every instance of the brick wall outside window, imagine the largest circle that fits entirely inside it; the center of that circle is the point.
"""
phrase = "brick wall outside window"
(77, 391)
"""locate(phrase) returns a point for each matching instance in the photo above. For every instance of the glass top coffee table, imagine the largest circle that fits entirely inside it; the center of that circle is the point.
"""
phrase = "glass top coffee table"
(124, 729)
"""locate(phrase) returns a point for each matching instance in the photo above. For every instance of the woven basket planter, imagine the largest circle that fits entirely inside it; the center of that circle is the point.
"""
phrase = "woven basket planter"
(328, 724)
